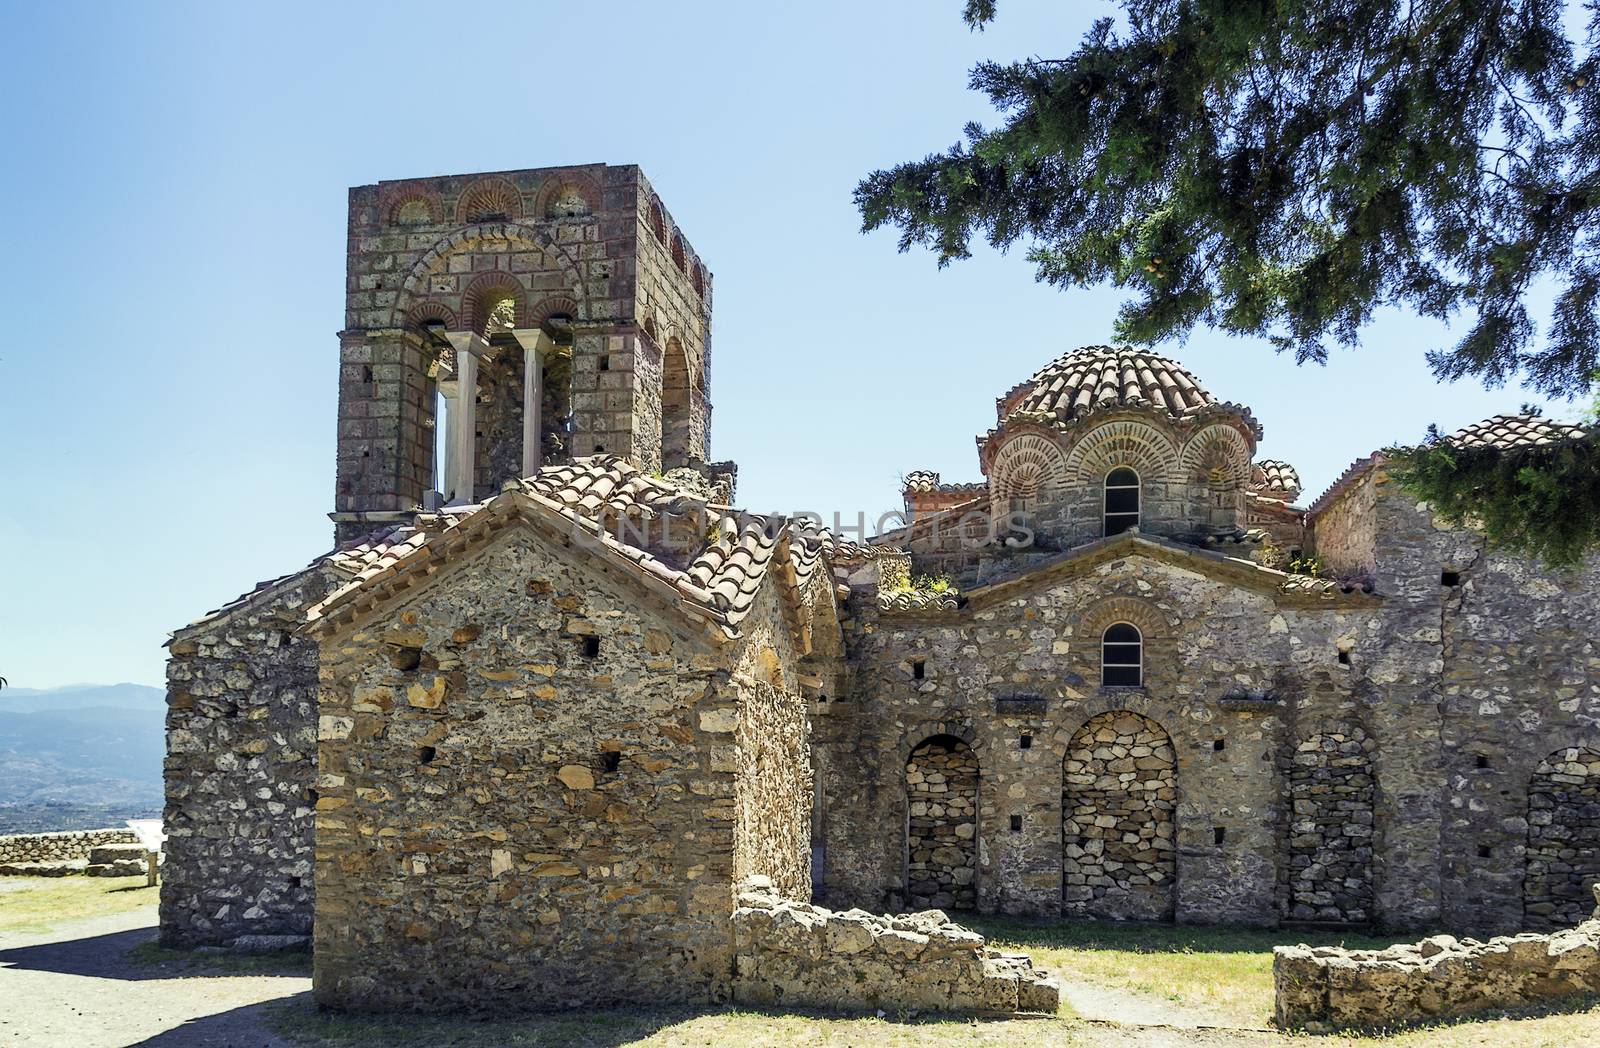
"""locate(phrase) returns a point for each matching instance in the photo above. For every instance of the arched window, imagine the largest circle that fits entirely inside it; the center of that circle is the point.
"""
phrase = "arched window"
(1122, 500)
(1121, 656)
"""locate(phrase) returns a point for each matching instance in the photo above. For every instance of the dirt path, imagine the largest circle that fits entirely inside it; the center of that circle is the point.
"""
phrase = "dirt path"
(76, 985)
(1129, 1007)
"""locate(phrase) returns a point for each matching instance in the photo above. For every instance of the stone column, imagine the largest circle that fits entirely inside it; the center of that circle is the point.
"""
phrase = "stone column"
(462, 446)
(535, 343)
(448, 389)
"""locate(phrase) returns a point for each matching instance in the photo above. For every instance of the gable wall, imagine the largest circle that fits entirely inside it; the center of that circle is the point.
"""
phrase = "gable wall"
(1204, 640)
(512, 867)
(240, 771)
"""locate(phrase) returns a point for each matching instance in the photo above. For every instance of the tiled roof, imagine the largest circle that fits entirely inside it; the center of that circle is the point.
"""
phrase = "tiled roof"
(1348, 479)
(587, 484)
(1272, 477)
(920, 481)
(919, 600)
(720, 583)
(1515, 431)
(1098, 378)
(1295, 588)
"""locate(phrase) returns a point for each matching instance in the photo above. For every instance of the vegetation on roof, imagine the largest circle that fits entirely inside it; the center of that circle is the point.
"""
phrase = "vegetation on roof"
(1541, 500)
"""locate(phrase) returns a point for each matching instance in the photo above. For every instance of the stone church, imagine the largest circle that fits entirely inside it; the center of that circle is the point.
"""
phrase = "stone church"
(550, 697)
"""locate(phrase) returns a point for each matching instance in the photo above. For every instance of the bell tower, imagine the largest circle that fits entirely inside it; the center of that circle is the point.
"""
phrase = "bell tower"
(495, 323)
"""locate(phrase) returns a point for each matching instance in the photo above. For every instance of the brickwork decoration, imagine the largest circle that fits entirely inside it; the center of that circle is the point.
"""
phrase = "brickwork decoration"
(1563, 838)
(1120, 795)
(1330, 849)
(574, 241)
(941, 842)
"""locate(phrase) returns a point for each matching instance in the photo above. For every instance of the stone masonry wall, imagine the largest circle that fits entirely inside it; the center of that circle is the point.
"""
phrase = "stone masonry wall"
(795, 955)
(772, 794)
(1435, 979)
(67, 846)
(1563, 838)
(941, 843)
(1329, 866)
(1016, 674)
(1344, 536)
(241, 770)
(1121, 792)
(535, 807)
(576, 241)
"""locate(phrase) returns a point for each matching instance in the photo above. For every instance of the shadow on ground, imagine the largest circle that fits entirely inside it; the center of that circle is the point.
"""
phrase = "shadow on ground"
(296, 1021)
(134, 956)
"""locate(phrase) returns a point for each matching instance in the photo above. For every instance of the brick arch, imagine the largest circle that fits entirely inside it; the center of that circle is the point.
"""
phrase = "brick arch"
(423, 312)
(1563, 855)
(486, 197)
(399, 198)
(491, 286)
(1119, 803)
(462, 240)
(1025, 465)
(1154, 623)
(550, 306)
(1121, 442)
(658, 220)
(1157, 632)
(680, 252)
(1218, 451)
(544, 205)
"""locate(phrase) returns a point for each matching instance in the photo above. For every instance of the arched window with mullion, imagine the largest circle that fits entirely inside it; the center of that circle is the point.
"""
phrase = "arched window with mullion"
(1121, 501)
(1122, 656)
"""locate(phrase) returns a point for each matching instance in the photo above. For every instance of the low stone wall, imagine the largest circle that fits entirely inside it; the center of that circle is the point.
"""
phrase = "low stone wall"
(802, 956)
(1436, 978)
(70, 846)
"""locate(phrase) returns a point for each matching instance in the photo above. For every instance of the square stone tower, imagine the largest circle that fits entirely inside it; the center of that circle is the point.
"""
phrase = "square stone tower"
(498, 322)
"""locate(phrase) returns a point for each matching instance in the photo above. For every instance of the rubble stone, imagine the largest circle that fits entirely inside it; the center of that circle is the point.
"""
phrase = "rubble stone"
(1437, 978)
(794, 954)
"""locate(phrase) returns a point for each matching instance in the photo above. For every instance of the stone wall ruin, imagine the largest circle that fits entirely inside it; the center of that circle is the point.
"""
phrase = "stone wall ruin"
(941, 841)
(793, 954)
(49, 854)
(1437, 978)
(1121, 790)
(1563, 838)
(1330, 786)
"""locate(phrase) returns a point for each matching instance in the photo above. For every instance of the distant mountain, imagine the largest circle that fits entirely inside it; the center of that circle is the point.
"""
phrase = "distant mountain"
(80, 756)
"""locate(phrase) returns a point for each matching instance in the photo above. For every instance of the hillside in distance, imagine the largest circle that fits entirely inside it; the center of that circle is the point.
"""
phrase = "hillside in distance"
(80, 756)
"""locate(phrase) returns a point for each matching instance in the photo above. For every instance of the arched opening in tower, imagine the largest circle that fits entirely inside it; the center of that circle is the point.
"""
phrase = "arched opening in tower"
(676, 407)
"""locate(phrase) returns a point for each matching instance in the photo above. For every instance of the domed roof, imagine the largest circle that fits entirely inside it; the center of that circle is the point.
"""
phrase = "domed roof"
(1095, 378)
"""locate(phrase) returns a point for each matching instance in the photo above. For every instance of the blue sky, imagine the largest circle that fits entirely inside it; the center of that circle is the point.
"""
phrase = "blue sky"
(173, 279)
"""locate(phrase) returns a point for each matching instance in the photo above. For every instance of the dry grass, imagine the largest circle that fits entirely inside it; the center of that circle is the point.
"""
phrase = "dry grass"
(1222, 974)
(37, 904)
(737, 1028)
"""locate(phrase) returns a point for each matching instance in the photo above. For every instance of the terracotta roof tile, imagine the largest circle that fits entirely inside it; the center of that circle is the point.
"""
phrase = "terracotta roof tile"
(1515, 431)
(1275, 478)
(721, 581)
(1103, 378)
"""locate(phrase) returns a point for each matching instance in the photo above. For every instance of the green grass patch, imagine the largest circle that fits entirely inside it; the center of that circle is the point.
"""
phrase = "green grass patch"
(38, 904)
(1223, 973)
